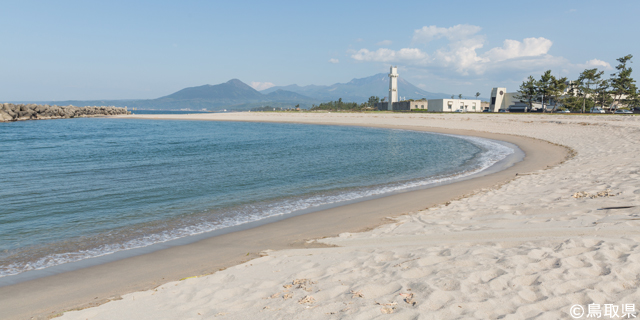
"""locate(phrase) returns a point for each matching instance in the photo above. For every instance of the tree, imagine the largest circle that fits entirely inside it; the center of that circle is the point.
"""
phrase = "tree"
(452, 96)
(622, 85)
(477, 95)
(601, 93)
(373, 100)
(340, 105)
(587, 78)
(544, 86)
(572, 102)
(528, 91)
(460, 96)
(556, 90)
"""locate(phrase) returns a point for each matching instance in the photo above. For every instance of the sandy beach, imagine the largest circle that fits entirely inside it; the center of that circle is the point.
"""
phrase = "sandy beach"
(559, 229)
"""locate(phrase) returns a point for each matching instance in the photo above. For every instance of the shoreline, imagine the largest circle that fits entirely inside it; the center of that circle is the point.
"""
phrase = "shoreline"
(510, 159)
(107, 282)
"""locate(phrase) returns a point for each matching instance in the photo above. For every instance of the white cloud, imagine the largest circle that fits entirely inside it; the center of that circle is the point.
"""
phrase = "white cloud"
(332, 60)
(261, 85)
(461, 31)
(529, 47)
(384, 43)
(462, 53)
(387, 55)
(460, 59)
(595, 63)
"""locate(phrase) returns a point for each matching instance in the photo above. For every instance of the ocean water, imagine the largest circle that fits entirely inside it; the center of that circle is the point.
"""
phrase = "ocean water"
(72, 189)
(165, 112)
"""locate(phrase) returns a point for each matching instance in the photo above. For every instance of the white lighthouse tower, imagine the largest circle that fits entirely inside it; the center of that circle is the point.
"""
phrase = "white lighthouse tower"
(393, 87)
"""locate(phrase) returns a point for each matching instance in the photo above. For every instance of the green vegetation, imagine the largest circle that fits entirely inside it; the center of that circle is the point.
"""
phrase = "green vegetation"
(347, 106)
(589, 90)
(267, 108)
(622, 85)
(528, 91)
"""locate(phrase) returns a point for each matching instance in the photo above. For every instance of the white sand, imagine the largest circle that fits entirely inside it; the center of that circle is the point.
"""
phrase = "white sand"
(527, 249)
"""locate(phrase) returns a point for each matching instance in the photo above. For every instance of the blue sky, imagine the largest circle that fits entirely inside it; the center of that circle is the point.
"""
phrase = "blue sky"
(60, 50)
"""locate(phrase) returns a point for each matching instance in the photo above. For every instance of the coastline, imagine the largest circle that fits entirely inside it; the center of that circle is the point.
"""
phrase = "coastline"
(350, 197)
(108, 281)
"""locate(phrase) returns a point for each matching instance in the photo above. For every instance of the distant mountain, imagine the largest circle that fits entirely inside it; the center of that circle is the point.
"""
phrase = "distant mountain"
(287, 95)
(231, 95)
(233, 89)
(236, 95)
(359, 90)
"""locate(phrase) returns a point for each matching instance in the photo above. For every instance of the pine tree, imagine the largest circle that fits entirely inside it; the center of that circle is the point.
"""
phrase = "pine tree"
(528, 91)
(544, 86)
(622, 85)
(588, 78)
(556, 90)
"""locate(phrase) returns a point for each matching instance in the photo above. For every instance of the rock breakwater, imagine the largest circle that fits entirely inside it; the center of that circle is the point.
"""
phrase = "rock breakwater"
(15, 112)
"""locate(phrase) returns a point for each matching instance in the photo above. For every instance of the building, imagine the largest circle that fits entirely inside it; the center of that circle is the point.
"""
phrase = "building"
(435, 105)
(419, 105)
(510, 101)
(501, 99)
(453, 105)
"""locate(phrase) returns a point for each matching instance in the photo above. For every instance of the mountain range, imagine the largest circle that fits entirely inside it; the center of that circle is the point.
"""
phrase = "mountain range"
(359, 90)
(236, 95)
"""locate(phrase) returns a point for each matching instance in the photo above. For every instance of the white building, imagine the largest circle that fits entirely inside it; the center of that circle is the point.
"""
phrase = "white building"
(453, 105)
(436, 105)
(501, 99)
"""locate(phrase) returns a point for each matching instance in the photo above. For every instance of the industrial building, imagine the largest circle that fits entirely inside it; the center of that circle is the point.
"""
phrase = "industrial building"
(436, 105)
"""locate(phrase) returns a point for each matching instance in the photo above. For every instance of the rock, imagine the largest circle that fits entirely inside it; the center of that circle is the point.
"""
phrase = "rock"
(12, 112)
(5, 116)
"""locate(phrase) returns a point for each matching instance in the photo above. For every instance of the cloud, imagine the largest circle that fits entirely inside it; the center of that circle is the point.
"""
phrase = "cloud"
(595, 63)
(430, 33)
(529, 47)
(384, 43)
(261, 85)
(332, 60)
(462, 53)
(458, 56)
(388, 55)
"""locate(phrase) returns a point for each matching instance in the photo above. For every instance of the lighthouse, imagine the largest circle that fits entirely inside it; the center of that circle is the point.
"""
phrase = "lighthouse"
(393, 87)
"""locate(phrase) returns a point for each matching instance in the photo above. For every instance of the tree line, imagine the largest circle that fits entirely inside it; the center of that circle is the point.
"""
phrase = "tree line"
(588, 91)
(339, 105)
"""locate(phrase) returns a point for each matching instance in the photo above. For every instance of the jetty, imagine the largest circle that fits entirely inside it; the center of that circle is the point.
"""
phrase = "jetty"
(17, 112)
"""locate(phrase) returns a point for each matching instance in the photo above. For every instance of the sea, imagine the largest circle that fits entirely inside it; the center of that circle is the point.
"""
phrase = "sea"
(73, 190)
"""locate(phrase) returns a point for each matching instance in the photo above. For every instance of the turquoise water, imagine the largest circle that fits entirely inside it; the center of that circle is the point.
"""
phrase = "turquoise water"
(73, 189)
